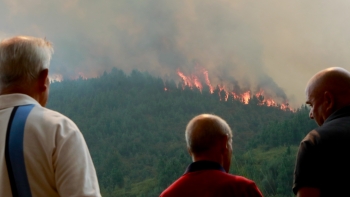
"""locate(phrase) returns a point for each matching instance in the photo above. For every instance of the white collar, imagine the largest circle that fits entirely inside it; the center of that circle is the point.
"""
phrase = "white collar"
(11, 100)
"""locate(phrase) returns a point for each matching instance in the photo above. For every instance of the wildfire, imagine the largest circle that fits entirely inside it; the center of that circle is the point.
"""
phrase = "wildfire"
(245, 97)
(55, 78)
(207, 81)
(268, 102)
(222, 89)
(82, 75)
(190, 81)
(202, 77)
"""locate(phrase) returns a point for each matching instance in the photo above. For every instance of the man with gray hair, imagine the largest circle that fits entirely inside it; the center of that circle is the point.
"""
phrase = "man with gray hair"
(42, 152)
(209, 143)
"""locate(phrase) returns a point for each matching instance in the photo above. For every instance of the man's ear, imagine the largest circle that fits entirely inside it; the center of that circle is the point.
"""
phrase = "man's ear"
(42, 80)
(224, 140)
(189, 151)
(329, 101)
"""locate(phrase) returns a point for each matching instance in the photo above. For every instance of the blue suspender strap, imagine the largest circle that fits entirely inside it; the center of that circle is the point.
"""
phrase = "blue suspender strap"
(14, 151)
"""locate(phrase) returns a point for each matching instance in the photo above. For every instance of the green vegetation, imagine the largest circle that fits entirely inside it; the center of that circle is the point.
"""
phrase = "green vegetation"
(135, 132)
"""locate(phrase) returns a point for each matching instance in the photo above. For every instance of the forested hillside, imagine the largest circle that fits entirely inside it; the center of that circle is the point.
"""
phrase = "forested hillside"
(135, 132)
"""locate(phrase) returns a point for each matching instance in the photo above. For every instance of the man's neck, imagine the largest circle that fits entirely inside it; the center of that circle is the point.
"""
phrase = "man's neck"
(18, 90)
(215, 158)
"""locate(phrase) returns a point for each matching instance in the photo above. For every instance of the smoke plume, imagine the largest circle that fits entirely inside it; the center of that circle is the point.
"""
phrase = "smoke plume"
(247, 44)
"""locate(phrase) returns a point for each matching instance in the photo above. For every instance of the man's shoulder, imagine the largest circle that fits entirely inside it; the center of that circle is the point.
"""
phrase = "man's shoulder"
(237, 180)
(211, 180)
(51, 114)
(336, 121)
(312, 137)
(332, 131)
(218, 178)
(48, 117)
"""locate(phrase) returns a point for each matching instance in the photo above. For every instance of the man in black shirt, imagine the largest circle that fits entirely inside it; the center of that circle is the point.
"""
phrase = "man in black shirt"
(323, 167)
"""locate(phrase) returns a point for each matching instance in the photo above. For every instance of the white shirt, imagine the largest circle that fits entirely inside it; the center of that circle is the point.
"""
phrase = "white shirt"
(57, 160)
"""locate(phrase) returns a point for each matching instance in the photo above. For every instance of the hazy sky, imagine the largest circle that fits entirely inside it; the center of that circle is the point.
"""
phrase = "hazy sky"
(274, 44)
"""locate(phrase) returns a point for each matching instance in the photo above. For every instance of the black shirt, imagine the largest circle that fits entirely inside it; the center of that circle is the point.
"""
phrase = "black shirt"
(323, 160)
(204, 165)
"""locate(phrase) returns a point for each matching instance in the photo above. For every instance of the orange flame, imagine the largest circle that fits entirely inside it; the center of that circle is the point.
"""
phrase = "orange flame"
(222, 89)
(194, 81)
(185, 79)
(285, 106)
(207, 81)
(82, 75)
(197, 83)
(190, 81)
(55, 78)
(245, 97)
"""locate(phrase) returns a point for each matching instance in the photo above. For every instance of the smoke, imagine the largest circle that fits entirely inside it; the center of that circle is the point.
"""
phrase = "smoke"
(247, 44)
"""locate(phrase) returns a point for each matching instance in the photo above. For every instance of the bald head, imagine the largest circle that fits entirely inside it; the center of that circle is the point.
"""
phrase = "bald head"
(335, 80)
(328, 91)
(204, 131)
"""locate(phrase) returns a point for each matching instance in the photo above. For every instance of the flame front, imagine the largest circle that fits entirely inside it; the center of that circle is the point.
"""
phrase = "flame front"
(207, 81)
(190, 81)
(195, 81)
(82, 75)
(245, 97)
(55, 78)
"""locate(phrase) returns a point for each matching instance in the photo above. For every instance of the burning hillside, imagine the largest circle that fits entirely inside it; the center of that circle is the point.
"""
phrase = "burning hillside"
(199, 79)
(267, 93)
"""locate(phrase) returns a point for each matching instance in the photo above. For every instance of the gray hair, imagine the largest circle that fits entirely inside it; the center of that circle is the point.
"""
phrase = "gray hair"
(203, 131)
(22, 58)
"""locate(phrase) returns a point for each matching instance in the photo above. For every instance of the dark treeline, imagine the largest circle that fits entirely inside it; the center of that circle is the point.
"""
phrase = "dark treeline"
(135, 132)
(285, 133)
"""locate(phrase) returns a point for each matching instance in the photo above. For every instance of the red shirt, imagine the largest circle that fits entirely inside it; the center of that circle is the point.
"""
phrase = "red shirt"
(209, 179)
